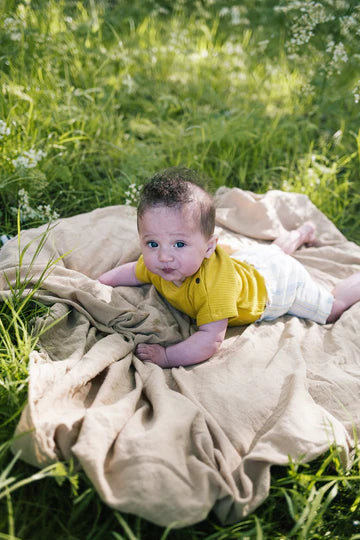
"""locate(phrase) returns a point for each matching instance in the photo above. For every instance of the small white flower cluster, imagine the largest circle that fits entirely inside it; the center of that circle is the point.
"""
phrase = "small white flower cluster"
(338, 56)
(356, 92)
(235, 14)
(43, 212)
(349, 25)
(314, 170)
(132, 195)
(13, 27)
(309, 15)
(129, 83)
(4, 129)
(306, 18)
(28, 160)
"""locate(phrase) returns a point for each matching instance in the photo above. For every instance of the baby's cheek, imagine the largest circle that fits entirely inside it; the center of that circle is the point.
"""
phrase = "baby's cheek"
(148, 260)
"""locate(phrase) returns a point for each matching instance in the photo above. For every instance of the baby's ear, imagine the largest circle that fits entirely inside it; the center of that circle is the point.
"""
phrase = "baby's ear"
(212, 242)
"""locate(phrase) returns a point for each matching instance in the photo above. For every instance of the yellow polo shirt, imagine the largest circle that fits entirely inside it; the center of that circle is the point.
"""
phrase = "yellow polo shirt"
(222, 288)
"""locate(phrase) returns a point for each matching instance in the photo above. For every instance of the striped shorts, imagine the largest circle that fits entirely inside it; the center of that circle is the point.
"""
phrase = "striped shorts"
(291, 290)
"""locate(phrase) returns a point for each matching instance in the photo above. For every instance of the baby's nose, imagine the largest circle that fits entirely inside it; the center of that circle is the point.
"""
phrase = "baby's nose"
(165, 255)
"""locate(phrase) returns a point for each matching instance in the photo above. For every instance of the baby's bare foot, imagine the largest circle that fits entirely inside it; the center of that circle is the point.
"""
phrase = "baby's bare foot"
(307, 233)
(346, 293)
(292, 240)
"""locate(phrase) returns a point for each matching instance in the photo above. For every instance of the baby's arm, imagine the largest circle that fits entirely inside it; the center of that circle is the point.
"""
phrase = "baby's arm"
(197, 348)
(121, 275)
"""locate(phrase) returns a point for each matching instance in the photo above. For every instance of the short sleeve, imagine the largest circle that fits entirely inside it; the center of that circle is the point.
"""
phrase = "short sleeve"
(141, 272)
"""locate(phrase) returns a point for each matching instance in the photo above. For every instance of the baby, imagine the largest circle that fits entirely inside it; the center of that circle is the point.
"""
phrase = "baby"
(181, 258)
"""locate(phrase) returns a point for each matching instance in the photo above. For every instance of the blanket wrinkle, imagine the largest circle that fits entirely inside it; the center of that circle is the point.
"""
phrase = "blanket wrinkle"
(172, 445)
(265, 217)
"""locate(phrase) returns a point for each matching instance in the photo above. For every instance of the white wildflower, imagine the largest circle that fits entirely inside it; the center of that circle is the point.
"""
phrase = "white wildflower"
(330, 46)
(234, 13)
(13, 27)
(286, 186)
(340, 54)
(29, 159)
(234, 49)
(15, 36)
(45, 211)
(224, 11)
(339, 57)
(21, 162)
(28, 213)
(198, 56)
(313, 177)
(129, 83)
(356, 92)
(348, 24)
(307, 16)
(132, 195)
(10, 24)
(4, 129)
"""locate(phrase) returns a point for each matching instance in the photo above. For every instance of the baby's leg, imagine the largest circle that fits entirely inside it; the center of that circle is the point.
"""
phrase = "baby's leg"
(346, 293)
(292, 240)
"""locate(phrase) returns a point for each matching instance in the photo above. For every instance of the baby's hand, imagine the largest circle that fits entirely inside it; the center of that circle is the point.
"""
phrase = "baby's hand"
(152, 353)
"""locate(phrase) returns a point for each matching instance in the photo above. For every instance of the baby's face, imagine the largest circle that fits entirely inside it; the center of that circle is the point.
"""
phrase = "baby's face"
(172, 244)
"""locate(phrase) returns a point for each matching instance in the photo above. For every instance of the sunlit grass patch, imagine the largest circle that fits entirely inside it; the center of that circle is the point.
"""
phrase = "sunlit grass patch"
(106, 96)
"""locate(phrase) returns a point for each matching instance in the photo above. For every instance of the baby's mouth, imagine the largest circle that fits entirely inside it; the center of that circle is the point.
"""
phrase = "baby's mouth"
(168, 270)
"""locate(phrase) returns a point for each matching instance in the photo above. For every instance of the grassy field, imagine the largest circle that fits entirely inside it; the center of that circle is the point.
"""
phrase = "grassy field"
(98, 95)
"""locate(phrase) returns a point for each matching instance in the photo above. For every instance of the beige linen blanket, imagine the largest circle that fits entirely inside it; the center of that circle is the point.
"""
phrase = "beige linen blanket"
(171, 445)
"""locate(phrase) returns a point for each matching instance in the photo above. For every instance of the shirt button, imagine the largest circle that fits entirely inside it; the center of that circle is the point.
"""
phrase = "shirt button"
(197, 280)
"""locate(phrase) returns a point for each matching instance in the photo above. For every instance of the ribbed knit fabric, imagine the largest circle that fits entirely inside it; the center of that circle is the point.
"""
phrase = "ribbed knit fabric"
(222, 288)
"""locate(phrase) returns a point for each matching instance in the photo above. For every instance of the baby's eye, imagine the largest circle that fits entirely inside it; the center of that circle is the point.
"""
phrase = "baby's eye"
(180, 244)
(152, 244)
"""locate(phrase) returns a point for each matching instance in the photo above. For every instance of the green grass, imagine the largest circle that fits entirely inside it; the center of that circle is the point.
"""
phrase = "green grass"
(97, 96)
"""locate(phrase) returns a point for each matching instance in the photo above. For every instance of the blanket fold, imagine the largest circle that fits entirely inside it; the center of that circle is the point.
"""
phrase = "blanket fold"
(172, 445)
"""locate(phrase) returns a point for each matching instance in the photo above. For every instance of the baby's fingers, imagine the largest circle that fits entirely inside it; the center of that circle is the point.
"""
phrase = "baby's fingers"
(143, 351)
(152, 353)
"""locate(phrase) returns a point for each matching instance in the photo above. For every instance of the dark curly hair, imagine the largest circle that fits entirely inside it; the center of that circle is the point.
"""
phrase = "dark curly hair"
(175, 187)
